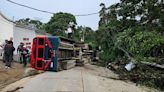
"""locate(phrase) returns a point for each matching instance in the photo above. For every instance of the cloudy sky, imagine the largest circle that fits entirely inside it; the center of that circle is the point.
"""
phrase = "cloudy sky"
(71, 6)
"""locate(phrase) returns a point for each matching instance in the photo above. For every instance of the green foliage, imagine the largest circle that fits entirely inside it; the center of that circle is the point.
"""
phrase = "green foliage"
(59, 23)
(135, 26)
(88, 34)
(78, 33)
(140, 43)
(38, 24)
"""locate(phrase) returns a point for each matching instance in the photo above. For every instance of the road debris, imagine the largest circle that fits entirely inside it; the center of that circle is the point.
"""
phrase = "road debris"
(129, 66)
(16, 89)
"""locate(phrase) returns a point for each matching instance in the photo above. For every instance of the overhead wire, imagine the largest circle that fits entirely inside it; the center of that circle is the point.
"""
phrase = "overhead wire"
(89, 14)
(29, 7)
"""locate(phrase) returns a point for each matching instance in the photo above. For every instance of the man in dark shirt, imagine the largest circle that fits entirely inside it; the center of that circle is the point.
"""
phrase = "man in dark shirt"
(19, 51)
(25, 53)
(8, 51)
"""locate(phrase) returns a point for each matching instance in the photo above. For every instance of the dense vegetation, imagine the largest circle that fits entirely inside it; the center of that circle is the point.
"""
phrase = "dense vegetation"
(87, 34)
(59, 23)
(136, 26)
(27, 21)
(135, 29)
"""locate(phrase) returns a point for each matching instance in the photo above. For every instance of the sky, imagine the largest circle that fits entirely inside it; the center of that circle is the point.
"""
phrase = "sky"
(75, 7)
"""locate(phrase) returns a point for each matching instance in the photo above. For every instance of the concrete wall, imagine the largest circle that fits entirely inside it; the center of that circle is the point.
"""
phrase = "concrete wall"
(23, 35)
(6, 29)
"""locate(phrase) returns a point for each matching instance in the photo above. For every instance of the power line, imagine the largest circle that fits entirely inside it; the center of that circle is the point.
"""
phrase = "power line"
(88, 14)
(47, 11)
(29, 7)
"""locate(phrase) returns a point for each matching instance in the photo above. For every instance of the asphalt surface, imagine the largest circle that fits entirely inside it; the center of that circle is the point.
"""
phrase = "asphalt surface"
(79, 79)
(74, 80)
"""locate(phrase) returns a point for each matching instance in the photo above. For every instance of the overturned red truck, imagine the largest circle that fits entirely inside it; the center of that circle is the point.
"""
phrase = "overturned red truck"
(52, 53)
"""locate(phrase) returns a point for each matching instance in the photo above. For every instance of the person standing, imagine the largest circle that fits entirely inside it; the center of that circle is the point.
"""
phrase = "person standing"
(19, 51)
(11, 42)
(3, 46)
(25, 53)
(8, 51)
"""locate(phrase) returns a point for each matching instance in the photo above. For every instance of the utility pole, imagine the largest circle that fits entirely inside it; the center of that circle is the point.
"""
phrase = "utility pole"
(83, 35)
(13, 19)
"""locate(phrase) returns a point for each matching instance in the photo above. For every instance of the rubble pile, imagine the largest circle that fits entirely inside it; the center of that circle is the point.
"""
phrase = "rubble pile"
(141, 74)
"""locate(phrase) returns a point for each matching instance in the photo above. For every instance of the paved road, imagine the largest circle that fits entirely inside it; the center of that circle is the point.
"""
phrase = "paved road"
(74, 80)
(79, 79)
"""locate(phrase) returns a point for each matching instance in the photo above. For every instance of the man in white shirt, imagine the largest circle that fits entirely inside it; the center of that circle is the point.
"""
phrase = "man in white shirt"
(69, 30)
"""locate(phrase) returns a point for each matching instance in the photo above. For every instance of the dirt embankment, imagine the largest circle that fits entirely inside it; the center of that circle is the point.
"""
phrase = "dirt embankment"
(17, 72)
(8, 76)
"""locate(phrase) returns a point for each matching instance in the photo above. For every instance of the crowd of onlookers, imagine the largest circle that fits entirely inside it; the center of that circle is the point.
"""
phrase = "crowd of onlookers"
(8, 52)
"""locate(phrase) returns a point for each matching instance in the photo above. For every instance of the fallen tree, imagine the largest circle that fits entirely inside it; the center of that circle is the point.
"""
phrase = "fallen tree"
(153, 64)
(143, 62)
(145, 73)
